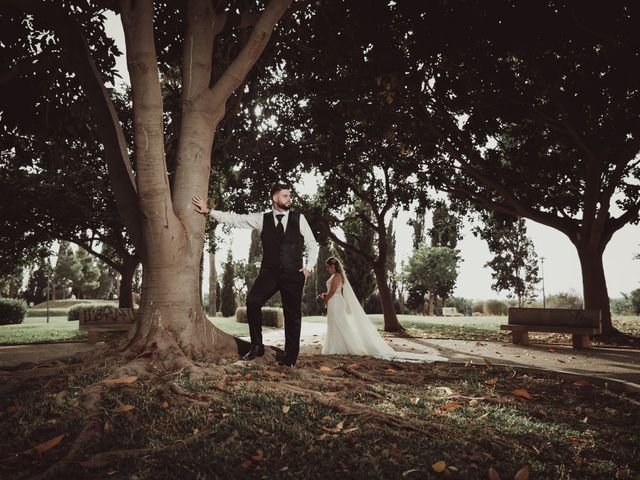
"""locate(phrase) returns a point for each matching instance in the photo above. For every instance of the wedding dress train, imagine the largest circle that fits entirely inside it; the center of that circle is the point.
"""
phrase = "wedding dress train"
(350, 332)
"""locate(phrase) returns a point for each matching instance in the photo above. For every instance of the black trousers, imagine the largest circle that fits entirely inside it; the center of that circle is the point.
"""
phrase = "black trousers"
(290, 284)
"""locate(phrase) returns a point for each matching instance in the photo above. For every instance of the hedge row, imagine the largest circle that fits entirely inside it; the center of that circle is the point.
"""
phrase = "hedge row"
(12, 311)
(271, 317)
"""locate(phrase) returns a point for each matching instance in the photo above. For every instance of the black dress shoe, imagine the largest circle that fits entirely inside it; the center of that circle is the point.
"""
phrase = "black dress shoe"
(255, 351)
(285, 362)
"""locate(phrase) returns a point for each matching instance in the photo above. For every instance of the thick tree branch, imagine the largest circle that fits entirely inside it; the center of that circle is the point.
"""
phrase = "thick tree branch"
(152, 180)
(237, 71)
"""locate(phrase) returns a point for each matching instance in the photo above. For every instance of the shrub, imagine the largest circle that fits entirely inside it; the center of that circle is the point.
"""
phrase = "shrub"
(621, 306)
(271, 317)
(569, 299)
(634, 299)
(463, 305)
(478, 307)
(12, 311)
(495, 307)
(74, 312)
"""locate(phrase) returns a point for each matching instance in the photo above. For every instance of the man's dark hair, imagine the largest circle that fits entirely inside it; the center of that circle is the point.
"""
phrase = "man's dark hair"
(279, 186)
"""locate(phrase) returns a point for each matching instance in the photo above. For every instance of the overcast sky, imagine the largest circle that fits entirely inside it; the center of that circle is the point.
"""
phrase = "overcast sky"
(561, 266)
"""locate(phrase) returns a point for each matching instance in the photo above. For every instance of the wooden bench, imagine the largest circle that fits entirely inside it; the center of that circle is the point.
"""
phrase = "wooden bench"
(579, 323)
(97, 320)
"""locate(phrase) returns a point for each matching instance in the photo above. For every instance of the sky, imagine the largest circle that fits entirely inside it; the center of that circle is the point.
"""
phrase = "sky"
(561, 264)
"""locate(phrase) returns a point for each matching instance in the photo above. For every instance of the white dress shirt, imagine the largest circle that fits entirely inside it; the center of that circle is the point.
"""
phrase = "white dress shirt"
(254, 221)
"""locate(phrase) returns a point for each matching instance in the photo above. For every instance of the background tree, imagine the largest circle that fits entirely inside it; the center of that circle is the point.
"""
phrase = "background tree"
(543, 127)
(87, 283)
(228, 303)
(35, 292)
(514, 263)
(430, 270)
(67, 272)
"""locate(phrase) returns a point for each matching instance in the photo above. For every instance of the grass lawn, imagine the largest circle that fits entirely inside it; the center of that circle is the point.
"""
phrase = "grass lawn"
(35, 329)
(338, 417)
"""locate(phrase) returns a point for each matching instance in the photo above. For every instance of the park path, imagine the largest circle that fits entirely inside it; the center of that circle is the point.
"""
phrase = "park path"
(600, 364)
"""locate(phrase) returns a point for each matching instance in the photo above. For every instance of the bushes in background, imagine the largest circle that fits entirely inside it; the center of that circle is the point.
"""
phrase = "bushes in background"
(271, 317)
(12, 311)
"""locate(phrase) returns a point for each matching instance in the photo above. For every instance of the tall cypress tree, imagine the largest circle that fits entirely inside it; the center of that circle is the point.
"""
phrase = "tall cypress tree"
(227, 294)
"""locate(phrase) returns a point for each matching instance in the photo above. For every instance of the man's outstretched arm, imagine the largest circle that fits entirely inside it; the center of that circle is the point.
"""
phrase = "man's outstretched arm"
(252, 220)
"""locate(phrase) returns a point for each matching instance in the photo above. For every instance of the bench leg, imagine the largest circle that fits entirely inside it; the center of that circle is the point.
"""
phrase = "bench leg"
(520, 338)
(92, 336)
(581, 341)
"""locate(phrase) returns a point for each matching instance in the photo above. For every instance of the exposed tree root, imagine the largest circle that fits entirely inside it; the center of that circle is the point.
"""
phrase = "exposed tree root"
(357, 409)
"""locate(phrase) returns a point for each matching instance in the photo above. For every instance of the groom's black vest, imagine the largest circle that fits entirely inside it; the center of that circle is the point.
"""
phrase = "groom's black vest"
(283, 252)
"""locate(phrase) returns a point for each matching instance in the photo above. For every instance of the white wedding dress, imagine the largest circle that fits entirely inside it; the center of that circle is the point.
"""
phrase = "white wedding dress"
(350, 332)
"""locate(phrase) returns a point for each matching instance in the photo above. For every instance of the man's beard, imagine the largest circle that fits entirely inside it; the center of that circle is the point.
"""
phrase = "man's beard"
(283, 206)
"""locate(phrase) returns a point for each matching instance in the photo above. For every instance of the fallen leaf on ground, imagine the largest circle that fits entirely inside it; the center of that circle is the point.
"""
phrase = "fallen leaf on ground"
(120, 381)
(325, 369)
(450, 406)
(522, 474)
(269, 373)
(390, 370)
(258, 456)
(164, 404)
(406, 473)
(488, 364)
(353, 365)
(439, 466)
(124, 409)
(286, 408)
(337, 429)
(248, 376)
(552, 350)
(493, 474)
(491, 381)
(581, 383)
(415, 400)
(45, 446)
(108, 427)
(521, 392)
(246, 464)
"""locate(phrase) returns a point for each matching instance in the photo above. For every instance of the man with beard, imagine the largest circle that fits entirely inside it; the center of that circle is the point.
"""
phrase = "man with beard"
(283, 234)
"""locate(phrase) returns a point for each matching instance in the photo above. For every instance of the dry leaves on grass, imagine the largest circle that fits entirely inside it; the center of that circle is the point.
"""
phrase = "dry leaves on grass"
(123, 409)
(522, 393)
(450, 406)
(37, 450)
(126, 380)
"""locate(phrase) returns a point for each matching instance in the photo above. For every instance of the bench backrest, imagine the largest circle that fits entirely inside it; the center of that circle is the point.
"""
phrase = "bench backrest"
(554, 316)
(107, 316)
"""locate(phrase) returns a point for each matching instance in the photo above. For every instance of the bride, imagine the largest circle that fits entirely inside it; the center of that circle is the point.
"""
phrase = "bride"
(349, 330)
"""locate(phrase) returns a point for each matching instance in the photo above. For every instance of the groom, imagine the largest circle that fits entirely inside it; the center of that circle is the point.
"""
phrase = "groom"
(283, 234)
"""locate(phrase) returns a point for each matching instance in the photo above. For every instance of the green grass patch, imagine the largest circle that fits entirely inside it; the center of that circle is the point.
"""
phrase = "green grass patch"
(36, 330)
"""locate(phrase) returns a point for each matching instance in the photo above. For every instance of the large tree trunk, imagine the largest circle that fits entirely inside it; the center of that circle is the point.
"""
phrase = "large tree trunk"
(213, 282)
(391, 323)
(594, 283)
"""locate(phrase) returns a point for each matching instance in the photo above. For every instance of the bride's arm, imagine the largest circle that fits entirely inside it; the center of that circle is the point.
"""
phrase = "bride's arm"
(333, 286)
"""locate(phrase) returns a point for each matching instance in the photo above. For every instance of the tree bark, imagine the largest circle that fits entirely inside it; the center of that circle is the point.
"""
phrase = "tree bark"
(594, 283)
(391, 323)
